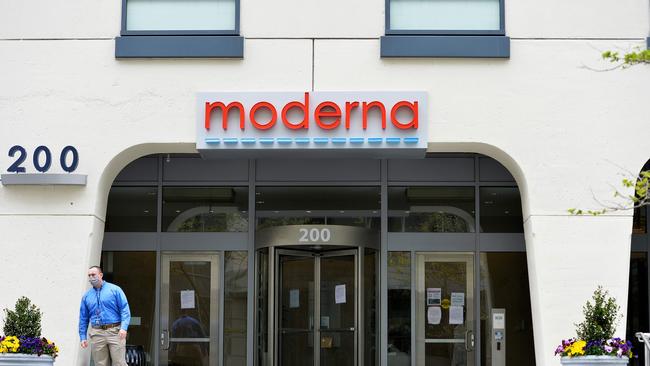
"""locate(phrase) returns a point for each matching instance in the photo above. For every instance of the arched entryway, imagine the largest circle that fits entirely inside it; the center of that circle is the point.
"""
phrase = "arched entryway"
(414, 261)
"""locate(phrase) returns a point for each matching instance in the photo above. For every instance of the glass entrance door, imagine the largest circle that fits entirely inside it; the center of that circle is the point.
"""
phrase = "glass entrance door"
(445, 309)
(189, 309)
(317, 286)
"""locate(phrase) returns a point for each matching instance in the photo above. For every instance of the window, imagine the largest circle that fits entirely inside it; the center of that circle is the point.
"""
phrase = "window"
(214, 16)
(445, 16)
(179, 28)
(445, 28)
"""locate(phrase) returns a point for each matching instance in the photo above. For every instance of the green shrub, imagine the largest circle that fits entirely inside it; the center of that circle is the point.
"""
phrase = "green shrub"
(601, 317)
(24, 320)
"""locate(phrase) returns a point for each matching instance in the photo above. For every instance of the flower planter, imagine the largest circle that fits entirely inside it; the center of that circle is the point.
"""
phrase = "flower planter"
(12, 359)
(593, 360)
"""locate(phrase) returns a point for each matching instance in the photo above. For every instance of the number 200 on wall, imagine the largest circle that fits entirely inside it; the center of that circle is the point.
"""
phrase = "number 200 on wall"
(42, 159)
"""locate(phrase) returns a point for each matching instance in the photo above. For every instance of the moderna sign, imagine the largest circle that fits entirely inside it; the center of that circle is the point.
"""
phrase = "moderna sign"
(348, 121)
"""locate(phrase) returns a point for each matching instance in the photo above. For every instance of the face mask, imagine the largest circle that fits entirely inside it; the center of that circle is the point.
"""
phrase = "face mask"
(94, 281)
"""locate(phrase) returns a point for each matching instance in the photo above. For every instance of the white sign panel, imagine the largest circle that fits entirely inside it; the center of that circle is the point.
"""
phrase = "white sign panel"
(434, 296)
(294, 298)
(434, 314)
(339, 294)
(187, 299)
(455, 315)
(457, 299)
(498, 321)
(311, 120)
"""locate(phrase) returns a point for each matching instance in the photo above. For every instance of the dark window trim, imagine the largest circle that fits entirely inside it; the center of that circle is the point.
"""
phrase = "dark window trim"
(488, 43)
(445, 46)
(179, 47)
(179, 43)
(500, 31)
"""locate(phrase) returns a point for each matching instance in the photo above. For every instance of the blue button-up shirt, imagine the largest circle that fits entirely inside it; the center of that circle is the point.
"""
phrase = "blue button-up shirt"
(104, 305)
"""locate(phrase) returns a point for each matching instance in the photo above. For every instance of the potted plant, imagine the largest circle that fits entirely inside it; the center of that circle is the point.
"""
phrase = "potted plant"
(595, 343)
(22, 343)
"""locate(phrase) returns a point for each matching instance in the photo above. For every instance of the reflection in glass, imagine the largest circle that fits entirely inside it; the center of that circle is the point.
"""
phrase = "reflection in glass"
(370, 301)
(352, 206)
(448, 277)
(504, 284)
(135, 273)
(131, 209)
(640, 220)
(235, 311)
(189, 321)
(445, 309)
(445, 15)
(399, 308)
(337, 310)
(262, 307)
(205, 209)
(297, 349)
(431, 209)
(637, 304)
(337, 348)
(296, 300)
(501, 210)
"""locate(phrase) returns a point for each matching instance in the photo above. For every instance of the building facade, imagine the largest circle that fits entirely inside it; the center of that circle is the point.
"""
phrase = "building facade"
(426, 224)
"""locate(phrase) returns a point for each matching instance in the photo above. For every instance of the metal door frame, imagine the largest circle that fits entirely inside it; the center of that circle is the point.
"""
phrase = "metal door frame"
(316, 256)
(421, 258)
(215, 301)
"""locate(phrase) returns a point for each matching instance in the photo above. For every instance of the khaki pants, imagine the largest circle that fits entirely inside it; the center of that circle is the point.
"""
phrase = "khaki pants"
(107, 347)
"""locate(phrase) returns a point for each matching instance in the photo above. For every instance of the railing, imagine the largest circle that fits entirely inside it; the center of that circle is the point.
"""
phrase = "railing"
(645, 339)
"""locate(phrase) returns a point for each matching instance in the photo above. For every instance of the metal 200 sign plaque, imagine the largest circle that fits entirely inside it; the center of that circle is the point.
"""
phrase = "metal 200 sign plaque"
(312, 120)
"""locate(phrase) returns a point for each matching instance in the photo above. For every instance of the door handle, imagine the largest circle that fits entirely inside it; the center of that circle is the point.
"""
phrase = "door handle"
(164, 340)
(469, 341)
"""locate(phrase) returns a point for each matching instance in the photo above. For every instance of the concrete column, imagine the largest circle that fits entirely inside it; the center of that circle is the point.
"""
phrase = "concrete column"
(568, 257)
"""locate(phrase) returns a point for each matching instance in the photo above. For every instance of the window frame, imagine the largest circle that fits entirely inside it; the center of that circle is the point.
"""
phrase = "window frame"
(125, 32)
(458, 32)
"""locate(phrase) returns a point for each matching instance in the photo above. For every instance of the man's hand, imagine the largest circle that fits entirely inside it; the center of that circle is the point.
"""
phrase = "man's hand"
(84, 344)
(122, 334)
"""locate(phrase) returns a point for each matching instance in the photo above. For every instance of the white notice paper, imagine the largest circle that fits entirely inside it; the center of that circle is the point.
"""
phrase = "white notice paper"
(434, 295)
(294, 298)
(339, 294)
(187, 299)
(434, 314)
(498, 321)
(457, 299)
(455, 315)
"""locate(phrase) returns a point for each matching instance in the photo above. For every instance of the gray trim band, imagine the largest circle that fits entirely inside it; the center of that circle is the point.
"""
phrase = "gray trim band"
(647, 43)
(43, 179)
(122, 241)
(446, 46)
(179, 47)
(204, 241)
(429, 242)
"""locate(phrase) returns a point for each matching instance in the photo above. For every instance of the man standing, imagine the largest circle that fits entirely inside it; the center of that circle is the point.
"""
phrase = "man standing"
(105, 307)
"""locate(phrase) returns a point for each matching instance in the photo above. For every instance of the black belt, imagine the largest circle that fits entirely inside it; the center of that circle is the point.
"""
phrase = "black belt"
(106, 326)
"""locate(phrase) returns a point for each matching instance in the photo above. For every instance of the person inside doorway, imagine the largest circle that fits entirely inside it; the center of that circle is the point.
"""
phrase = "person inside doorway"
(106, 308)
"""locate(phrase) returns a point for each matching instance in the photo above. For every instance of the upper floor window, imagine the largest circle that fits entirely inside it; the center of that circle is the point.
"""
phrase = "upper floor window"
(431, 28)
(180, 28)
(445, 17)
(184, 16)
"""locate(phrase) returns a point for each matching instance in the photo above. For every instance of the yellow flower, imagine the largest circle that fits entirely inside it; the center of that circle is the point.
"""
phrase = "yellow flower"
(577, 348)
(9, 344)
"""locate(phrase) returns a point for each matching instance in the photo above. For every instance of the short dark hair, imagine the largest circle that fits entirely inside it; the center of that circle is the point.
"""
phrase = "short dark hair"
(98, 268)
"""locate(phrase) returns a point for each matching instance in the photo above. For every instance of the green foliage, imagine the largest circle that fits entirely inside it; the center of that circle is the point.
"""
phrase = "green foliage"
(601, 317)
(641, 196)
(24, 320)
(628, 59)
